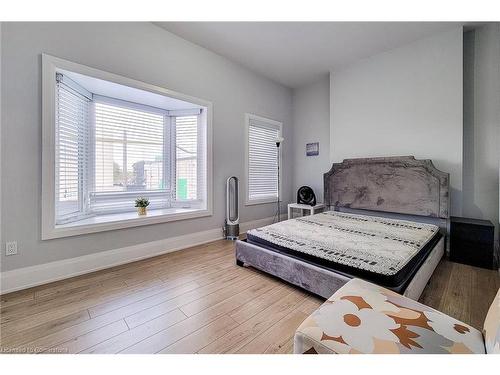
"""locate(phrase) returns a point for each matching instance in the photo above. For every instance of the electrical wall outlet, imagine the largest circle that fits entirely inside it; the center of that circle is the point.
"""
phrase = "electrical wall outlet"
(11, 248)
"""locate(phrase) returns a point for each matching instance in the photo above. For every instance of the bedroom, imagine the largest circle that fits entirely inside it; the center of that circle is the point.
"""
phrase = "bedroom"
(387, 122)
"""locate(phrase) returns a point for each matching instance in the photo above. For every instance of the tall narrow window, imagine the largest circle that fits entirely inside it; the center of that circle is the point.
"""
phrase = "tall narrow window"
(128, 148)
(262, 159)
(186, 169)
(129, 156)
(72, 140)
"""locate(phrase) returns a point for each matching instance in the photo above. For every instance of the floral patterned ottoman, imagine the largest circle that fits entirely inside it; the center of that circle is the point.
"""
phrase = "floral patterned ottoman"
(365, 318)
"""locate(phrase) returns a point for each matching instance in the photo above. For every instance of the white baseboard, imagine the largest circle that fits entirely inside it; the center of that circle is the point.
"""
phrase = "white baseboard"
(27, 277)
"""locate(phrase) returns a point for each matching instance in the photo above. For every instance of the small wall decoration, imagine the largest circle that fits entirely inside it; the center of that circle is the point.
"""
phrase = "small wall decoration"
(312, 149)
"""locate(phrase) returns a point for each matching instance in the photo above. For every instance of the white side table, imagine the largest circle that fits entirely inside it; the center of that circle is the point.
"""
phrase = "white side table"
(304, 207)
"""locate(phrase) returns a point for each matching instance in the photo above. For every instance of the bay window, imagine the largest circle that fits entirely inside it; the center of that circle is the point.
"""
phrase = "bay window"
(114, 143)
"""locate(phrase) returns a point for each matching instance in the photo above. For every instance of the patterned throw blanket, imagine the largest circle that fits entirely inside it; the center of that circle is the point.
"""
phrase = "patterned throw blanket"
(375, 244)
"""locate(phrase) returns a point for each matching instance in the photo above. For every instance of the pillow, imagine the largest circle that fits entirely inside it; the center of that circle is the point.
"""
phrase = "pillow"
(491, 328)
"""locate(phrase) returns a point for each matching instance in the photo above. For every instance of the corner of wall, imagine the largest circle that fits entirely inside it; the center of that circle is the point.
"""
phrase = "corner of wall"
(311, 123)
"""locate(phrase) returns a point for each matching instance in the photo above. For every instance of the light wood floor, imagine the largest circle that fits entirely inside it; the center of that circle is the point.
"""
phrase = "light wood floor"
(194, 301)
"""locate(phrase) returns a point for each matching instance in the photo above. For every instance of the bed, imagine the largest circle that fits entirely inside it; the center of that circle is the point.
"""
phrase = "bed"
(386, 222)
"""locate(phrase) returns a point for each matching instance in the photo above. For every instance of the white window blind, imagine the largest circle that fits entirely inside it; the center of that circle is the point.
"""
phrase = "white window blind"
(262, 161)
(129, 156)
(110, 151)
(72, 156)
(186, 145)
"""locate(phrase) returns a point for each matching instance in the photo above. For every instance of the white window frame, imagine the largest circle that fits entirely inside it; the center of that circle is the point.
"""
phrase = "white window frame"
(272, 123)
(127, 104)
(179, 203)
(51, 65)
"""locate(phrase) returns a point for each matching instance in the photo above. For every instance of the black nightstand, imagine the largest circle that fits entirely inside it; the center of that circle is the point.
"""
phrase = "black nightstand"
(472, 241)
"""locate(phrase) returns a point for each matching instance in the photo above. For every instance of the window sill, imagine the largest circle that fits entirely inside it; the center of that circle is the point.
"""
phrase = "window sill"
(103, 223)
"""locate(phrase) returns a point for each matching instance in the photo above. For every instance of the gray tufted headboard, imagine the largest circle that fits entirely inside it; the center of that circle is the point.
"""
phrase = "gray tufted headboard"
(399, 184)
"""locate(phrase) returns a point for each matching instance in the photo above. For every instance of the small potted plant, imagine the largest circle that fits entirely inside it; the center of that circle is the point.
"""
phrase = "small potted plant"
(141, 204)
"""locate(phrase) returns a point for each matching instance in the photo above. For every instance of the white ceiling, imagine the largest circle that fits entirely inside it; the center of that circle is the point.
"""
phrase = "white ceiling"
(296, 53)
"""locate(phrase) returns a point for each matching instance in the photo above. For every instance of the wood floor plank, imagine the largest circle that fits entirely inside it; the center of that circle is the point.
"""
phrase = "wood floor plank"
(142, 307)
(170, 304)
(163, 338)
(45, 329)
(35, 307)
(199, 278)
(31, 321)
(55, 338)
(80, 328)
(205, 302)
(181, 275)
(120, 271)
(197, 340)
(202, 337)
(10, 299)
(195, 300)
(134, 310)
(240, 298)
(135, 335)
(171, 267)
(310, 304)
(456, 301)
(436, 289)
(277, 336)
(114, 299)
(245, 312)
(247, 331)
(484, 287)
(162, 292)
(192, 324)
(90, 339)
(160, 263)
(173, 270)
(62, 291)
(284, 348)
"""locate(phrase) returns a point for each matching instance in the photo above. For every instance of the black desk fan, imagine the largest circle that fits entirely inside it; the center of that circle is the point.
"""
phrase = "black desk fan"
(305, 195)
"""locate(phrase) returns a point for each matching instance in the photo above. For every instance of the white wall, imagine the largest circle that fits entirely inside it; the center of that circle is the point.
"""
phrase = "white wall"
(407, 101)
(140, 51)
(1, 232)
(482, 122)
(311, 119)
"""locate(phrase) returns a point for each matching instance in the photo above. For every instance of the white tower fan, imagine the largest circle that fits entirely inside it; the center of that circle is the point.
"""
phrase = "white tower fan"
(232, 225)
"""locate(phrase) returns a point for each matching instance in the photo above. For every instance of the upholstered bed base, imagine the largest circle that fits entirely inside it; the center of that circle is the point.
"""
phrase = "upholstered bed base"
(318, 280)
(395, 185)
(421, 278)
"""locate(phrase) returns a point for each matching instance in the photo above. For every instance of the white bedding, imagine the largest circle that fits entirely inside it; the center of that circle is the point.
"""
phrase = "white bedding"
(375, 244)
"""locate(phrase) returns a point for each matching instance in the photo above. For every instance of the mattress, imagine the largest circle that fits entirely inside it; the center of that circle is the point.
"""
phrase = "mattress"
(382, 250)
